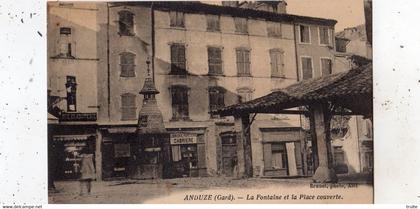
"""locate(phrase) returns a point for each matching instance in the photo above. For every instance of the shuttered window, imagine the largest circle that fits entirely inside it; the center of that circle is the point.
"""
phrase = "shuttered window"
(241, 25)
(216, 97)
(177, 19)
(326, 66)
(324, 36)
(243, 62)
(215, 60)
(306, 68)
(127, 63)
(178, 66)
(277, 62)
(179, 102)
(274, 29)
(126, 23)
(213, 22)
(304, 34)
(128, 107)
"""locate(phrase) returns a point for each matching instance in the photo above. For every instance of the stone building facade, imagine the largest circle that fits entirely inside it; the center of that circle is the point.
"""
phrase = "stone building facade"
(203, 57)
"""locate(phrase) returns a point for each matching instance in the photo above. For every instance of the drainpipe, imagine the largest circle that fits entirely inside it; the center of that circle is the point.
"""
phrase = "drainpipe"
(108, 66)
(153, 41)
(296, 53)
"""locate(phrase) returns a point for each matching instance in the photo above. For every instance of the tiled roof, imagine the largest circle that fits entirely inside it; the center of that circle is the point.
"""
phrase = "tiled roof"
(198, 7)
(354, 84)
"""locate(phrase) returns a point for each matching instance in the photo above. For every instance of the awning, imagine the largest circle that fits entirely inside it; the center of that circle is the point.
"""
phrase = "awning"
(52, 119)
(71, 137)
(350, 89)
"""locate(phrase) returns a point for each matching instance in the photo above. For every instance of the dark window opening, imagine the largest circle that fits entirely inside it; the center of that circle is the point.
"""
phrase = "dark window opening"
(126, 23)
(326, 66)
(216, 98)
(71, 93)
(179, 102)
(178, 61)
(304, 34)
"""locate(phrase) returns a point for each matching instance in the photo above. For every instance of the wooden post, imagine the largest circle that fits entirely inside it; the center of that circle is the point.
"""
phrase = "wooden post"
(98, 155)
(247, 146)
(244, 151)
(323, 173)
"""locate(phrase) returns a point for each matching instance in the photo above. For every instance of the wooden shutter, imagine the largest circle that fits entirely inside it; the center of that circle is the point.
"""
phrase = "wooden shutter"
(274, 64)
(267, 155)
(240, 61)
(172, 17)
(306, 68)
(326, 66)
(128, 106)
(247, 63)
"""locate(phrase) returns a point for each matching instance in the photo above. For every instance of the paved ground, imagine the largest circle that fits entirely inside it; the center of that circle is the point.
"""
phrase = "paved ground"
(143, 191)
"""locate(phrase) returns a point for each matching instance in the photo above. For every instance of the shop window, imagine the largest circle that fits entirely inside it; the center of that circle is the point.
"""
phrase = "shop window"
(326, 66)
(277, 62)
(179, 102)
(71, 87)
(215, 60)
(243, 62)
(274, 29)
(278, 156)
(126, 23)
(177, 19)
(121, 150)
(178, 60)
(324, 36)
(306, 68)
(216, 97)
(66, 42)
(213, 22)
(128, 107)
(241, 25)
(304, 34)
(244, 94)
(127, 63)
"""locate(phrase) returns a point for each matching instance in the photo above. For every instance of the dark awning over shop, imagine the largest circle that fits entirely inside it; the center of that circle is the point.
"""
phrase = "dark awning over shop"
(350, 89)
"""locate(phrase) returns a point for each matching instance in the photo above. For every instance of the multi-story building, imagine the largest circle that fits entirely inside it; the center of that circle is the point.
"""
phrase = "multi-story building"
(353, 147)
(73, 61)
(202, 57)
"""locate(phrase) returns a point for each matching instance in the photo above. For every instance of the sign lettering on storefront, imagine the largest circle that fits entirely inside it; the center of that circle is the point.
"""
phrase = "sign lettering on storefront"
(183, 138)
(78, 117)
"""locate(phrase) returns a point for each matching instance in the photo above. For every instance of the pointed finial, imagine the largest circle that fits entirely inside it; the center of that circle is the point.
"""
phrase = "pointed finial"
(148, 64)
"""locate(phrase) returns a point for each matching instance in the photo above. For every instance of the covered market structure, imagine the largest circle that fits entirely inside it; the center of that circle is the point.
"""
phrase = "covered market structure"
(344, 93)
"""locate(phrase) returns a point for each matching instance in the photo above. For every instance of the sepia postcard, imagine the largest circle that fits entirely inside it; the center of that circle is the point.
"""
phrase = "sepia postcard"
(210, 102)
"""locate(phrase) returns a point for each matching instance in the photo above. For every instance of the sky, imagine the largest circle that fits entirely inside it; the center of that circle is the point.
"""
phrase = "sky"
(348, 13)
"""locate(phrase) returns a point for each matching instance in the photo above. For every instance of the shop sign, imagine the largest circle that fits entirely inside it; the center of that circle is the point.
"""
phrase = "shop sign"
(152, 149)
(78, 117)
(183, 138)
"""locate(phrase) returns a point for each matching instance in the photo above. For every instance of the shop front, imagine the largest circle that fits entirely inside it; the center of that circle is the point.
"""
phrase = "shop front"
(67, 150)
(283, 152)
(117, 151)
(188, 154)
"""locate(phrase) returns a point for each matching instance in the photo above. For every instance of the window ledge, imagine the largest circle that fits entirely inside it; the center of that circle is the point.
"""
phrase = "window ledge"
(244, 75)
(216, 74)
(278, 76)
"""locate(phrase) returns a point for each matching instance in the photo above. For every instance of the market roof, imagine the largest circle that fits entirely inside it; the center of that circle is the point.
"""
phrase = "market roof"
(198, 7)
(350, 89)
